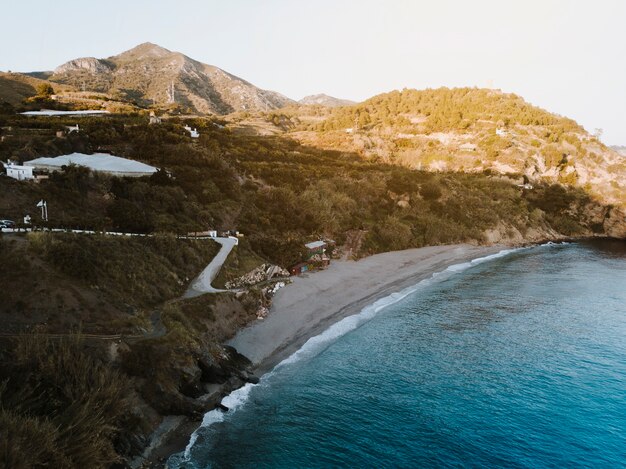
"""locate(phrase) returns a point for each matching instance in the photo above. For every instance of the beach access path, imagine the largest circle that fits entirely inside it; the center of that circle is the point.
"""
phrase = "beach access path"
(316, 300)
(202, 283)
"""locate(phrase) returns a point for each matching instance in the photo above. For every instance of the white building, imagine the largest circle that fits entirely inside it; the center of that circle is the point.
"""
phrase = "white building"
(192, 132)
(19, 172)
(99, 162)
(53, 113)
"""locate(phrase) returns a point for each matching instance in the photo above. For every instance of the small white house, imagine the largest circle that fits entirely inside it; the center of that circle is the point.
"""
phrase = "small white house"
(19, 172)
(192, 132)
(212, 234)
(500, 132)
(468, 147)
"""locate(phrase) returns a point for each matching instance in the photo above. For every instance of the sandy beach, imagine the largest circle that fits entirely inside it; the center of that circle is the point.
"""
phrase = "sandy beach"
(316, 300)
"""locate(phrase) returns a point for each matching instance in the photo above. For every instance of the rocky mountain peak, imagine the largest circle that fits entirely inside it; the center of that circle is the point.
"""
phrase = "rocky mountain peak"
(143, 51)
(150, 74)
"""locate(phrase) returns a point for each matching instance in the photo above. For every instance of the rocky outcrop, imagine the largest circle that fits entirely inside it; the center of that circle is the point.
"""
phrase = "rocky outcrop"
(614, 223)
(262, 273)
(89, 64)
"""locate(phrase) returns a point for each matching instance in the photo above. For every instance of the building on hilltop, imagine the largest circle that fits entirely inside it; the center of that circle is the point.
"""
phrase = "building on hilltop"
(192, 132)
(19, 172)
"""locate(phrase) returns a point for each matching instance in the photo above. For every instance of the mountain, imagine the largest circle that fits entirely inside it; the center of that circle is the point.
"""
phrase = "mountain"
(621, 149)
(474, 130)
(150, 74)
(325, 100)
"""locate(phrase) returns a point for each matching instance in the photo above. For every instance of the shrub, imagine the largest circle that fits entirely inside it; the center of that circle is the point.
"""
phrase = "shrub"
(430, 191)
(60, 406)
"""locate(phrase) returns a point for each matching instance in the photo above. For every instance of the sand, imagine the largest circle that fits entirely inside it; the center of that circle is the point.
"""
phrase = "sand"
(316, 300)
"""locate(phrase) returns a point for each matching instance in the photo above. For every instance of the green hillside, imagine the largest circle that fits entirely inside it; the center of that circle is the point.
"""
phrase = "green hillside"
(472, 130)
(444, 109)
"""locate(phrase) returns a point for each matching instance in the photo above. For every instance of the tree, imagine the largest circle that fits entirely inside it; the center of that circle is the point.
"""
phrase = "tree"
(45, 90)
(598, 133)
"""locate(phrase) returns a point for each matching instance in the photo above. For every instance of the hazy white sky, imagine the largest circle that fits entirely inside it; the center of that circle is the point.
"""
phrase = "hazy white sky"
(566, 56)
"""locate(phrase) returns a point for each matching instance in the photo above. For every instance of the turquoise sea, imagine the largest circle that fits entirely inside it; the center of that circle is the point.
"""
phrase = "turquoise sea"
(513, 361)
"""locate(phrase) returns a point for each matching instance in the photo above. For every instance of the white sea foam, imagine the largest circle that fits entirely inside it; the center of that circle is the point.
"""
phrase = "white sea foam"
(316, 344)
(233, 401)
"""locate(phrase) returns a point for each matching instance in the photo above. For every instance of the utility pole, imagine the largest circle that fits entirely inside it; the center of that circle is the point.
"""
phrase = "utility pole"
(44, 209)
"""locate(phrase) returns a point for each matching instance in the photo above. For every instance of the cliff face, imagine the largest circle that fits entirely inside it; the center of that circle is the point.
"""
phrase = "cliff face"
(149, 74)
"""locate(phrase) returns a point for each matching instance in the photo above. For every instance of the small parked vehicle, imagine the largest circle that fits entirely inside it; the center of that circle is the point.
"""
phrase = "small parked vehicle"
(7, 224)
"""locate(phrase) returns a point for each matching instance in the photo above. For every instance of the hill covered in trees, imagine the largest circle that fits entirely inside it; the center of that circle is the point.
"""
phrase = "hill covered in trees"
(472, 130)
(278, 192)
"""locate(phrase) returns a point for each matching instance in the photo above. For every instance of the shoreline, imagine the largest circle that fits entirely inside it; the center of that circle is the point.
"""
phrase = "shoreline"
(340, 291)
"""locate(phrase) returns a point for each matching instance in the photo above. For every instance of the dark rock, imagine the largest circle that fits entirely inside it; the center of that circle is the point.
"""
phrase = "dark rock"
(250, 378)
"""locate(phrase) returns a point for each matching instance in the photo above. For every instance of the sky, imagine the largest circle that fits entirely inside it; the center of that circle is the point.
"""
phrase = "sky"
(566, 56)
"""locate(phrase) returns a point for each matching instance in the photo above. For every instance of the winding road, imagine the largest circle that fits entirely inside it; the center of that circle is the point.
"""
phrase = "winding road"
(202, 283)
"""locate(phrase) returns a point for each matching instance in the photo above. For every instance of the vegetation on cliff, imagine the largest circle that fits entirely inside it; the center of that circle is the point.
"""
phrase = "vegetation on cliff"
(377, 188)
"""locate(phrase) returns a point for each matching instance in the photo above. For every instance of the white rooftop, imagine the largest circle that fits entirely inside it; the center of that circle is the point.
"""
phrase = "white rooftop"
(315, 244)
(96, 162)
(49, 112)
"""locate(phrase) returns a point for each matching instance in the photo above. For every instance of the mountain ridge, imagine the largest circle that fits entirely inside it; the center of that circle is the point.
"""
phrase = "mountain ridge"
(149, 74)
(325, 100)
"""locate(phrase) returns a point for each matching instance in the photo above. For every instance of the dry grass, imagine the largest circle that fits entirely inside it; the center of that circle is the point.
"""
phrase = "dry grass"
(60, 406)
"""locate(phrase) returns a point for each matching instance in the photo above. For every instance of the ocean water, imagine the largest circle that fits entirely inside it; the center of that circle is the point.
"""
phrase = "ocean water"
(518, 360)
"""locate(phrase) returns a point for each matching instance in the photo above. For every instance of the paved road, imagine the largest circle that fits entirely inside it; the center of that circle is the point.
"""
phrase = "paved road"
(202, 283)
